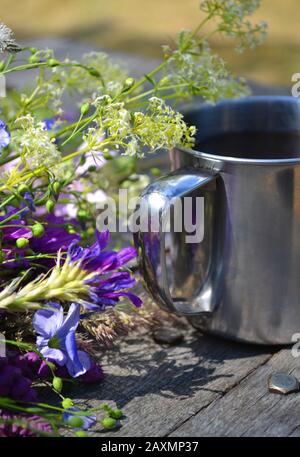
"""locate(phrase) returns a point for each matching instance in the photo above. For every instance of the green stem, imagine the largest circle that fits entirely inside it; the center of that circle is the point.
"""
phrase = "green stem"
(144, 94)
(12, 216)
(7, 201)
(28, 66)
(73, 125)
(32, 257)
(149, 75)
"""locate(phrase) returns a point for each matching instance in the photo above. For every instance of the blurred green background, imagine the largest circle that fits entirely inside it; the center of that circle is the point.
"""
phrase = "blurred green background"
(141, 26)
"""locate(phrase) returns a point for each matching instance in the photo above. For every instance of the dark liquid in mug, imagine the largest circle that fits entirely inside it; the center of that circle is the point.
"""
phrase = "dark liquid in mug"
(253, 145)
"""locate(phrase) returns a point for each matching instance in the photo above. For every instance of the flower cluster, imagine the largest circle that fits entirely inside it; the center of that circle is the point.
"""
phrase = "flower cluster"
(233, 21)
(59, 281)
(195, 69)
(159, 127)
(37, 148)
(105, 76)
(87, 276)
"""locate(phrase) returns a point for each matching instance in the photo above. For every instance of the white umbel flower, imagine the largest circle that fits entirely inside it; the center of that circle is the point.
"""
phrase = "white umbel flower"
(7, 41)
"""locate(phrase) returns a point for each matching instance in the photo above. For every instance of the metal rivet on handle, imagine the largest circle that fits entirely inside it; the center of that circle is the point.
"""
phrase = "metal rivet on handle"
(282, 383)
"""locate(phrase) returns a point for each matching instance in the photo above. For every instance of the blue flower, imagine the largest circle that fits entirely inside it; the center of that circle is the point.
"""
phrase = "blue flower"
(56, 340)
(4, 135)
(87, 421)
(28, 198)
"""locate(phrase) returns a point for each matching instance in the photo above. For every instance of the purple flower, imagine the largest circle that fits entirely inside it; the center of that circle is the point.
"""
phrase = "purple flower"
(8, 429)
(11, 233)
(4, 135)
(15, 380)
(94, 374)
(107, 291)
(56, 340)
(87, 421)
(56, 237)
(94, 258)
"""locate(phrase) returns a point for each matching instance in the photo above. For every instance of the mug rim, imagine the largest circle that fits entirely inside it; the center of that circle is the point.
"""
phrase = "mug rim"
(250, 100)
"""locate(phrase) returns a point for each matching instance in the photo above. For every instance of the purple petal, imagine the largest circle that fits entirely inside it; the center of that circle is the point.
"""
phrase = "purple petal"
(117, 281)
(103, 238)
(75, 252)
(125, 255)
(133, 298)
(14, 233)
(94, 374)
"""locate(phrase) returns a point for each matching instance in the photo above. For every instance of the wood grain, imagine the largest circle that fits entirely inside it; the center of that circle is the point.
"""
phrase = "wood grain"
(249, 409)
(160, 388)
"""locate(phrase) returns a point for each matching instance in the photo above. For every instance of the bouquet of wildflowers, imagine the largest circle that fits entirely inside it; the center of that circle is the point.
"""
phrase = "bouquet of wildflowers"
(60, 282)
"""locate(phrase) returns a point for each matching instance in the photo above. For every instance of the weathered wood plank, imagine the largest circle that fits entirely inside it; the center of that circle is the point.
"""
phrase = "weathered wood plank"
(159, 388)
(249, 409)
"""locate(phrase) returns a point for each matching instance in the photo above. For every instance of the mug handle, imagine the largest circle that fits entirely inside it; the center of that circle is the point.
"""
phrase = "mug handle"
(156, 201)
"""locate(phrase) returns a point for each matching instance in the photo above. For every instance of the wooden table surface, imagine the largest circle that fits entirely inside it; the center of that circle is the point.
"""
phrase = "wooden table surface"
(203, 386)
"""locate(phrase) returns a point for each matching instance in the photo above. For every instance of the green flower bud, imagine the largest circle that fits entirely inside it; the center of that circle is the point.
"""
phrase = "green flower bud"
(50, 205)
(108, 423)
(34, 59)
(94, 72)
(56, 187)
(82, 215)
(81, 433)
(21, 243)
(107, 155)
(116, 413)
(22, 189)
(90, 231)
(106, 407)
(67, 403)
(33, 50)
(37, 230)
(57, 384)
(129, 82)
(75, 422)
(155, 171)
(53, 63)
(70, 228)
(126, 184)
(84, 109)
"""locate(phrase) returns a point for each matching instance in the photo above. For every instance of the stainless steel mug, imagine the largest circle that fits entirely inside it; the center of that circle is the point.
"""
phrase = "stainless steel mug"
(243, 280)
